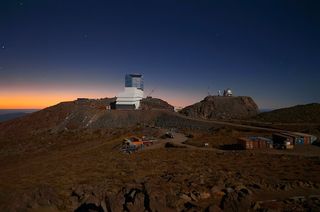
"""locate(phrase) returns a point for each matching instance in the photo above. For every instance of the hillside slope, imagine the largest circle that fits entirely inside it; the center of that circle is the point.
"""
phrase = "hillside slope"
(81, 114)
(309, 113)
(222, 108)
(55, 124)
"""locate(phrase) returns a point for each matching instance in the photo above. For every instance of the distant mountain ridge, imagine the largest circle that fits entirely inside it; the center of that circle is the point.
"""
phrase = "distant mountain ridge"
(9, 116)
(309, 113)
(8, 111)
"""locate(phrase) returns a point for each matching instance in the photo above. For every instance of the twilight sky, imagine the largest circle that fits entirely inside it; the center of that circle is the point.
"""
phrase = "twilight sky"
(58, 50)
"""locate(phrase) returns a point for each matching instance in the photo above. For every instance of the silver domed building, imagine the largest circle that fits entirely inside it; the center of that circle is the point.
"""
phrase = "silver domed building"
(227, 92)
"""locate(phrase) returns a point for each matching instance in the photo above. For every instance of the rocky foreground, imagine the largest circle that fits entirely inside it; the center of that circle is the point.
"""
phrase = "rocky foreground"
(94, 175)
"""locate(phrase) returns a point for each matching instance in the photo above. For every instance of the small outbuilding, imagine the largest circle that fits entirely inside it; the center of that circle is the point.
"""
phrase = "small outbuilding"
(301, 138)
(255, 142)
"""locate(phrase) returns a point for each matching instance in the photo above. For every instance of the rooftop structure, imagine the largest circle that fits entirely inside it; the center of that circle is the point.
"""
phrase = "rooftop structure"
(134, 80)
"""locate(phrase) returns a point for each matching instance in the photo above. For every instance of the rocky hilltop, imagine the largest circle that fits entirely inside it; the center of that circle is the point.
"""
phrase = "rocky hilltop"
(150, 103)
(73, 118)
(84, 114)
(222, 108)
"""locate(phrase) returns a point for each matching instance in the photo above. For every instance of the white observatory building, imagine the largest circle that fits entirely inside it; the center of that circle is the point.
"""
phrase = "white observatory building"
(132, 94)
(227, 92)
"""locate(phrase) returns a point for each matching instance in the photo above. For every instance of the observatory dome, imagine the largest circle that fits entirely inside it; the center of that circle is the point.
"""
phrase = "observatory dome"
(227, 92)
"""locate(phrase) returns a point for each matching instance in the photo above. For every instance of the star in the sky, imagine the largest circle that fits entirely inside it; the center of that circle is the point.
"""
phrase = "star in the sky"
(20, 3)
(3, 46)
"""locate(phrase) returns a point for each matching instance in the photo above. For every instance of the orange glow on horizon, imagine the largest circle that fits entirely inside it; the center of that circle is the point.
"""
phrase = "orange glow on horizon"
(34, 102)
(39, 99)
(40, 102)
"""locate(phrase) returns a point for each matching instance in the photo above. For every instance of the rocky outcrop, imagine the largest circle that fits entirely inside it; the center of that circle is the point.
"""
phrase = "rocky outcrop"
(40, 198)
(222, 108)
(150, 195)
(150, 103)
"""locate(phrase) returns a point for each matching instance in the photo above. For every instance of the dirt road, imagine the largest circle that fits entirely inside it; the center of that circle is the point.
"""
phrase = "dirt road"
(179, 139)
(224, 123)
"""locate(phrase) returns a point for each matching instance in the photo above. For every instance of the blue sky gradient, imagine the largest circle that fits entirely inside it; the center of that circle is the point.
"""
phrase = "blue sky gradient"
(269, 50)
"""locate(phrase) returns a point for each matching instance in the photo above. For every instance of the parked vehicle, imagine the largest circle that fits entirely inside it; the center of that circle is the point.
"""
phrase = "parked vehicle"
(282, 141)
